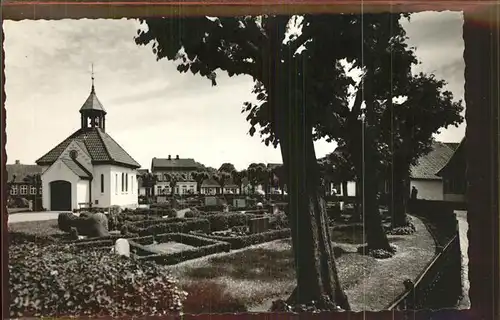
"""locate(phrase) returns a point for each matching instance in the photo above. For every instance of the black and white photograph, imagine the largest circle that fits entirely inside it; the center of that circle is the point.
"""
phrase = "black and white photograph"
(234, 164)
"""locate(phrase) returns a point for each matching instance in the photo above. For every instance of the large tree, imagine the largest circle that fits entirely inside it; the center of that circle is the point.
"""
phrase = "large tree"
(299, 84)
(227, 167)
(222, 178)
(200, 176)
(238, 177)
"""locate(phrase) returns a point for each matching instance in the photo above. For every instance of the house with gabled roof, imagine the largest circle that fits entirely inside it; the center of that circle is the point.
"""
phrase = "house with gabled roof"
(89, 168)
(425, 175)
(181, 168)
(454, 175)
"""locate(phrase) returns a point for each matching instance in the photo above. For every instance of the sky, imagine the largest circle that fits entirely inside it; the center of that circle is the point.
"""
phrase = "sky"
(152, 109)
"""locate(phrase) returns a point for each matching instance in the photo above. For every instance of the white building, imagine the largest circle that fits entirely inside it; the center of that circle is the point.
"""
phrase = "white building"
(89, 168)
(180, 168)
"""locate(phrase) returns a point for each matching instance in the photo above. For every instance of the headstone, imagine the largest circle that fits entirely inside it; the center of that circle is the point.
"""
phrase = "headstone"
(259, 225)
(275, 209)
(161, 199)
(210, 201)
(122, 247)
(239, 203)
(30, 205)
(260, 205)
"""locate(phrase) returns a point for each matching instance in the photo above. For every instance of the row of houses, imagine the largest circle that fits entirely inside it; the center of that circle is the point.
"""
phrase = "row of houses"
(185, 168)
(438, 175)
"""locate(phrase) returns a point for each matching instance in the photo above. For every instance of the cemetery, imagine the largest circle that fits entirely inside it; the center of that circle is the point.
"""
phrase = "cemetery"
(242, 256)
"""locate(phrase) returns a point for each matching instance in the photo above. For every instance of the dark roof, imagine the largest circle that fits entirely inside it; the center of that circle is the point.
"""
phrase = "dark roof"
(210, 183)
(99, 145)
(142, 171)
(73, 166)
(429, 165)
(454, 160)
(92, 103)
(21, 171)
(173, 163)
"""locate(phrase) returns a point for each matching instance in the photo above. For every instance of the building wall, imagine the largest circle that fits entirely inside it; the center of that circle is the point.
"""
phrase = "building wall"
(428, 189)
(127, 198)
(82, 191)
(234, 190)
(142, 191)
(454, 197)
(181, 188)
(59, 171)
(351, 189)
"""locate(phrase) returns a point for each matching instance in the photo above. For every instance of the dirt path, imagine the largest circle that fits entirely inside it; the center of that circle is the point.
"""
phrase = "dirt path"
(385, 282)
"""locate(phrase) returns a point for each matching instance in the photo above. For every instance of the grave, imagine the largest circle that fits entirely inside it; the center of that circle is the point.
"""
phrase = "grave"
(161, 199)
(239, 203)
(122, 247)
(210, 201)
(258, 225)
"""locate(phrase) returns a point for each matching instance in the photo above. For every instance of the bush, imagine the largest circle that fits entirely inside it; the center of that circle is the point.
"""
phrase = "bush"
(210, 297)
(245, 241)
(192, 214)
(278, 221)
(65, 221)
(172, 227)
(224, 221)
(55, 281)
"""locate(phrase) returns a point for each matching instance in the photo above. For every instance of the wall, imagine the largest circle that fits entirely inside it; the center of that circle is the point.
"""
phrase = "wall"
(454, 197)
(128, 199)
(82, 191)
(351, 189)
(59, 171)
(428, 189)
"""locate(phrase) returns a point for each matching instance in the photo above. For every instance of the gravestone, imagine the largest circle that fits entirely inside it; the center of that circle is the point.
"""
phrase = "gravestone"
(258, 225)
(274, 209)
(30, 205)
(210, 201)
(122, 247)
(239, 203)
(161, 199)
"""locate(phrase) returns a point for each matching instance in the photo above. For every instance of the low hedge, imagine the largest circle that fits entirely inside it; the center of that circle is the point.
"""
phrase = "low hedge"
(176, 227)
(53, 281)
(16, 238)
(224, 221)
(204, 247)
(245, 241)
(152, 222)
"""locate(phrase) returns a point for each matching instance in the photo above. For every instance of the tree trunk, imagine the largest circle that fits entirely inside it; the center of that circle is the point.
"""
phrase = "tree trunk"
(398, 197)
(315, 264)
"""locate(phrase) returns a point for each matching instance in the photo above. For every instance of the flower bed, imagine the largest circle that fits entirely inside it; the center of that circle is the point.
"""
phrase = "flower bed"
(247, 240)
(55, 281)
(204, 246)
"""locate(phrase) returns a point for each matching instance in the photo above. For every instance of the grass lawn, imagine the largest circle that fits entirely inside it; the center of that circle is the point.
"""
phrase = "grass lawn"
(257, 275)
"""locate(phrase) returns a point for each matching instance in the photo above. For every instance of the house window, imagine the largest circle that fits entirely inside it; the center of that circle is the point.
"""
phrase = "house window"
(116, 183)
(32, 190)
(24, 189)
(123, 181)
(96, 201)
(184, 189)
(102, 184)
(158, 190)
(13, 190)
(126, 182)
(40, 190)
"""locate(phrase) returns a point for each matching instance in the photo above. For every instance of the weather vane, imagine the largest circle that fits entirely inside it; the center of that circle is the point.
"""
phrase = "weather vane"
(92, 76)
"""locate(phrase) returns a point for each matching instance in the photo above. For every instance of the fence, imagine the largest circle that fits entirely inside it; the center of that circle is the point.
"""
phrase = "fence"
(440, 284)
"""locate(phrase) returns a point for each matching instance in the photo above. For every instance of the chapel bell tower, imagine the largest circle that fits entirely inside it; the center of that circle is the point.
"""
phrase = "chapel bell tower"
(92, 112)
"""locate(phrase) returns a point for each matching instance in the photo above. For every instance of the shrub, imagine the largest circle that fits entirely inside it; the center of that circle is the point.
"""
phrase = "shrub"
(278, 221)
(210, 297)
(65, 221)
(55, 281)
(224, 221)
(192, 214)
(181, 227)
(245, 241)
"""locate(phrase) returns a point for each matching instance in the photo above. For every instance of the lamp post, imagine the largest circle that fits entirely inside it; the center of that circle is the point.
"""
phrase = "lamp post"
(362, 118)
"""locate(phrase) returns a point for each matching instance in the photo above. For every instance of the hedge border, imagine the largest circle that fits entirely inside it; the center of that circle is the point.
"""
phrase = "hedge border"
(207, 247)
(245, 241)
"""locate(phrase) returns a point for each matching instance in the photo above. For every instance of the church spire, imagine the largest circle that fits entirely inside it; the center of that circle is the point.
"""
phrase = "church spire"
(92, 77)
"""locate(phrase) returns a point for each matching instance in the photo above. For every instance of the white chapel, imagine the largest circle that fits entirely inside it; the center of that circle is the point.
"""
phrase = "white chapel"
(89, 168)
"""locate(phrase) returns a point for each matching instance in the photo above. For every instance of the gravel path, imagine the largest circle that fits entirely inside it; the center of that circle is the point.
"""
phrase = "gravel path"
(385, 283)
(33, 216)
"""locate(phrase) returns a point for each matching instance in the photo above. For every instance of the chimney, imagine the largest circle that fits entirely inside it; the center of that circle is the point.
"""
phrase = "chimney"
(18, 162)
(169, 157)
(177, 157)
